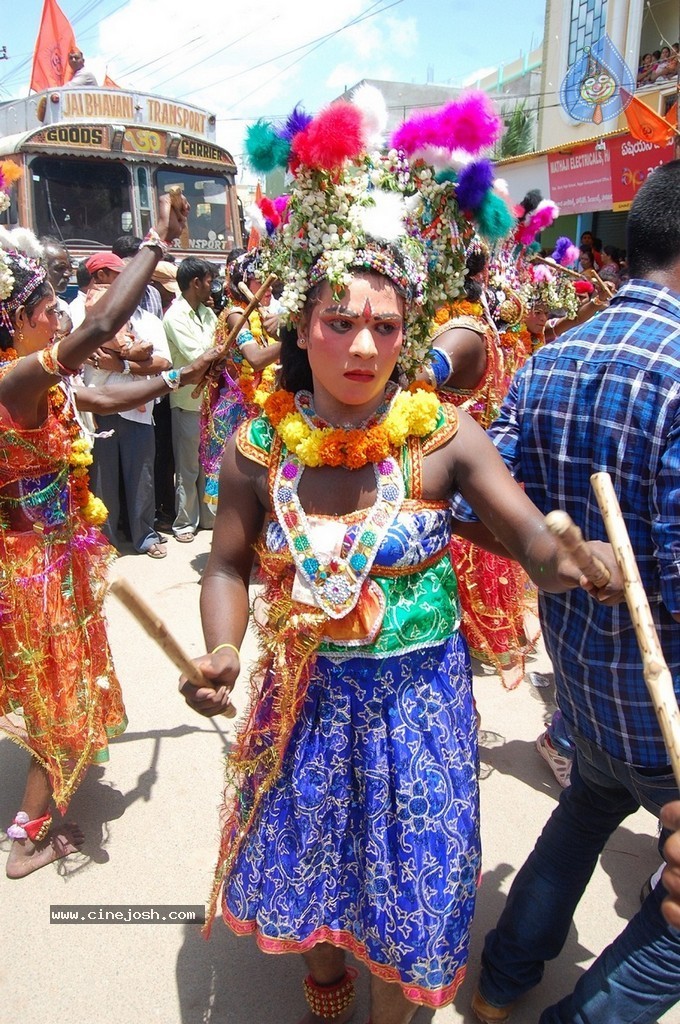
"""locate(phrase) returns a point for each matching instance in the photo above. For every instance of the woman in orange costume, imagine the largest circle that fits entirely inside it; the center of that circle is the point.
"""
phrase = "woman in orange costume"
(55, 661)
(468, 369)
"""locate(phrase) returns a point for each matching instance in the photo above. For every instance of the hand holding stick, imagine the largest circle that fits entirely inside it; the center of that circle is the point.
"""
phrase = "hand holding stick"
(159, 632)
(242, 319)
(570, 537)
(656, 673)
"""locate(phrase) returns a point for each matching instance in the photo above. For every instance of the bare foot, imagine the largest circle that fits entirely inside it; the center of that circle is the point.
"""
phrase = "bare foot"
(26, 856)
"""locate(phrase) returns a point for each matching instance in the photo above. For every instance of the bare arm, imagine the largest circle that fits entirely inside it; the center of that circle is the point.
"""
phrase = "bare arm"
(258, 356)
(22, 390)
(467, 351)
(224, 591)
(514, 520)
(112, 398)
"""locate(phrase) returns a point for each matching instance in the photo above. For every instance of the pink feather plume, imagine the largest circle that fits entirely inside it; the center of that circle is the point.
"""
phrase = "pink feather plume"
(469, 123)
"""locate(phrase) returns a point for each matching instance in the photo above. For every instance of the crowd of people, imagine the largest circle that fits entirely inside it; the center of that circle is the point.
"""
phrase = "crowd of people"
(379, 444)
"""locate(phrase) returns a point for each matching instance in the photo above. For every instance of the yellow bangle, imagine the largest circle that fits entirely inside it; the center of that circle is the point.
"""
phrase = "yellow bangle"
(222, 646)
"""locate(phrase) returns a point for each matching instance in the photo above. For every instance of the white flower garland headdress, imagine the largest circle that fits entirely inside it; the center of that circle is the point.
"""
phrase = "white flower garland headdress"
(352, 206)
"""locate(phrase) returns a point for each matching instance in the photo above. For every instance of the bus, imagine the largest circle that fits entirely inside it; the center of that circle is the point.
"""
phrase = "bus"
(95, 162)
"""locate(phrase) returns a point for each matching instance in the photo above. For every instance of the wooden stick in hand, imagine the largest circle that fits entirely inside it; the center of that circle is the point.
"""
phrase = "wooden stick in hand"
(159, 632)
(240, 322)
(570, 537)
(656, 673)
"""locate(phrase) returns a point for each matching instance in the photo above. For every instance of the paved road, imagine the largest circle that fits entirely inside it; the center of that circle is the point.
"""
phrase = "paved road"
(150, 818)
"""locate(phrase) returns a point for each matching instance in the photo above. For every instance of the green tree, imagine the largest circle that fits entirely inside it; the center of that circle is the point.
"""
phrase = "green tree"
(518, 135)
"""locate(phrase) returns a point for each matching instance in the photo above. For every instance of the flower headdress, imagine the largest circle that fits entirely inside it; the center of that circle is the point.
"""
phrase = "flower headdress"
(544, 286)
(19, 251)
(406, 213)
(9, 173)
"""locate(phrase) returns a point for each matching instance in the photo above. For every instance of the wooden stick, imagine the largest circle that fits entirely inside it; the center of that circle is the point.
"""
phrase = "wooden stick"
(558, 266)
(159, 632)
(656, 673)
(242, 319)
(570, 537)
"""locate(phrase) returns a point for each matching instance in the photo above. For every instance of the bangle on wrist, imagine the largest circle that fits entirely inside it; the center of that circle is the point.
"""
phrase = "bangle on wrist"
(232, 647)
(152, 240)
(172, 378)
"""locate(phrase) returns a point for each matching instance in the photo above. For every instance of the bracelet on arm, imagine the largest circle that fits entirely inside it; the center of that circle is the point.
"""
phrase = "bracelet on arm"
(221, 647)
(152, 240)
(440, 365)
(49, 360)
(172, 378)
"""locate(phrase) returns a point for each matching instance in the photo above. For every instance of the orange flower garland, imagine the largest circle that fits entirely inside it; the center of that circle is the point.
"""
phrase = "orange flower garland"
(462, 308)
(412, 413)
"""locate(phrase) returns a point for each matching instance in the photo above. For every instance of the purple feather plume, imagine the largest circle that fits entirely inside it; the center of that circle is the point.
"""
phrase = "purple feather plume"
(296, 122)
(474, 181)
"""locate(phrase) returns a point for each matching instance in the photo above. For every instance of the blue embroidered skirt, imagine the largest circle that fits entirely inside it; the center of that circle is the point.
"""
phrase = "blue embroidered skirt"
(369, 840)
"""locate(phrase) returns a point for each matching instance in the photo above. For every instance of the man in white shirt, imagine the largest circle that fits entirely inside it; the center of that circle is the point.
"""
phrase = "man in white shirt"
(189, 327)
(81, 78)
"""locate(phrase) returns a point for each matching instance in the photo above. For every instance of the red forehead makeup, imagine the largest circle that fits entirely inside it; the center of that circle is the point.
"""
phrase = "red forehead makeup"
(367, 311)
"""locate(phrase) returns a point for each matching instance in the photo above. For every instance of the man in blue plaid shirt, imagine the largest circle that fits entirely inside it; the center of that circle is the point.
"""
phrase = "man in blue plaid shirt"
(605, 397)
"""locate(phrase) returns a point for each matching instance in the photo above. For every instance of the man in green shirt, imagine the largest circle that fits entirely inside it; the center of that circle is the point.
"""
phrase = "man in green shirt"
(189, 326)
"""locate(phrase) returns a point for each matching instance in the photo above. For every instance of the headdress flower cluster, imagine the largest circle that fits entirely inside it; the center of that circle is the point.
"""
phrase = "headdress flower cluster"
(19, 250)
(406, 210)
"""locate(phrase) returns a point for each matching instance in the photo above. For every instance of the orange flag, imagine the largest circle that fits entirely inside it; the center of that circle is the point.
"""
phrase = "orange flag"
(672, 115)
(50, 57)
(109, 83)
(254, 236)
(644, 124)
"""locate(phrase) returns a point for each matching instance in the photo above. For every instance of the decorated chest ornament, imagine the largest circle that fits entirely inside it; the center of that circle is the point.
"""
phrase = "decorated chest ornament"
(406, 211)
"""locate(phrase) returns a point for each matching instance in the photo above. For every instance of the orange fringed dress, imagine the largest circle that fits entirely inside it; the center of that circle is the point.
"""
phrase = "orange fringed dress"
(55, 663)
(498, 601)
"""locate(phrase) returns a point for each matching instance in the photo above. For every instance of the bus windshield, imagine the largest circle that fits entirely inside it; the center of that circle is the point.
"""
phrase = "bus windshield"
(210, 221)
(80, 200)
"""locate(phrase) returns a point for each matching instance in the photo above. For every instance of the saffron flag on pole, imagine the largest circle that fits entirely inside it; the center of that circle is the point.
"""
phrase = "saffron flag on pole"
(254, 236)
(52, 47)
(109, 83)
(645, 124)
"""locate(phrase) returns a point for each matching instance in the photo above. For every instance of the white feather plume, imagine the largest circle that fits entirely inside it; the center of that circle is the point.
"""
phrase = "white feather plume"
(21, 240)
(254, 218)
(385, 220)
(371, 102)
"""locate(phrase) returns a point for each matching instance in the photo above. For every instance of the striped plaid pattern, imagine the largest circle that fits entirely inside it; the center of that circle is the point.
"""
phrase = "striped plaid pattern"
(606, 396)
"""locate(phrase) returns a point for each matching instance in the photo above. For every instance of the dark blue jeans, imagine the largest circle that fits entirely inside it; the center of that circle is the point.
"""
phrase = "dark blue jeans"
(638, 976)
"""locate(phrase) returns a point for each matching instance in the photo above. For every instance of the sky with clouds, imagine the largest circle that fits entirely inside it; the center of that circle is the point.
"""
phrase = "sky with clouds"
(274, 55)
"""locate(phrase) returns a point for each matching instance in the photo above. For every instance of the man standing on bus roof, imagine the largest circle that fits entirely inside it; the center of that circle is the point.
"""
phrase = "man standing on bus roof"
(81, 77)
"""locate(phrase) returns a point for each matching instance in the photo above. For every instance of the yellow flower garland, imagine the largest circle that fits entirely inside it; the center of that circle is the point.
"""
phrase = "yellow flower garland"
(411, 414)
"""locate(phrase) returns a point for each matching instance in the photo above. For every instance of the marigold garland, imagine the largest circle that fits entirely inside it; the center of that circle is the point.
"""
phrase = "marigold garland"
(462, 307)
(412, 413)
(92, 510)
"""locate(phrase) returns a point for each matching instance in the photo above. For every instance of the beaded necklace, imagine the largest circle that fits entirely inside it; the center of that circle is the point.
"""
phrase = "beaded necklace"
(336, 580)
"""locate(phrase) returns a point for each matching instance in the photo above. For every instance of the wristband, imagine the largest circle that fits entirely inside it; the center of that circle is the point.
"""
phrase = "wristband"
(126, 366)
(152, 240)
(222, 646)
(173, 378)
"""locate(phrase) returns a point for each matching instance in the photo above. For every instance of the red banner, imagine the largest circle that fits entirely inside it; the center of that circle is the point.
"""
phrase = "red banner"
(580, 179)
(631, 163)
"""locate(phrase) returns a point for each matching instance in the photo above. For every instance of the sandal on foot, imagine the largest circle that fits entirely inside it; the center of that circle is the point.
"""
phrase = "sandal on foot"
(156, 551)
